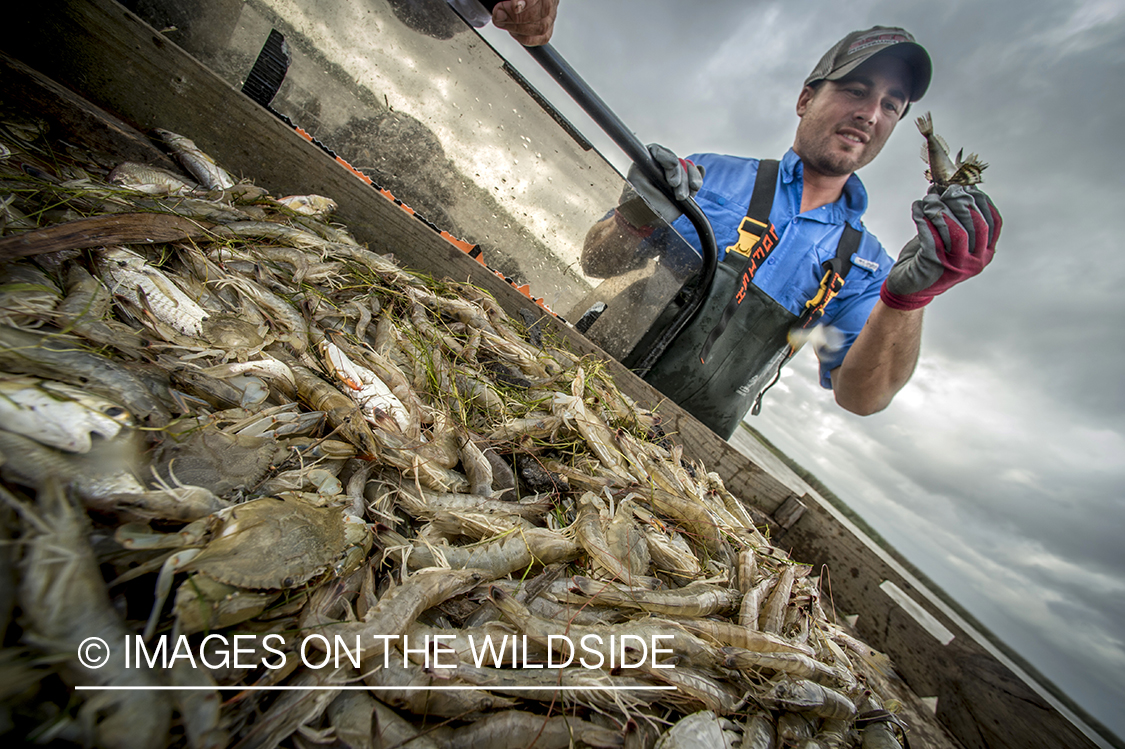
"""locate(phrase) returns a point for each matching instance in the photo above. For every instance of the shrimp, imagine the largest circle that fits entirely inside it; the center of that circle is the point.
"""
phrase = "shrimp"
(572, 410)
(750, 610)
(590, 533)
(398, 609)
(695, 516)
(759, 732)
(516, 729)
(774, 614)
(793, 664)
(477, 467)
(27, 295)
(669, 551)
(350, 718)
(316, 206)
(391, 730)
(806, 696)
(746, 638)
(597, 638)
(533, 426)
(693, 601)
(477, 525)
(432, 504)
(294, 709)
(200, 708)
(701, 729)
(342, 414)
(65, 601)
(869, 656)
(516, 550)
(747, 570)
(583, 686)
(626, 541)
(398, 685)
(717, 696)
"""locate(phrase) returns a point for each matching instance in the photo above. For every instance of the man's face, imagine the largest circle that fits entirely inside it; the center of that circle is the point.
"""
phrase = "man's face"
(845, 123)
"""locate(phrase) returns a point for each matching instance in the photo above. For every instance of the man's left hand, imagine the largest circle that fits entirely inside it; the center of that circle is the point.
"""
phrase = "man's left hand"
(530, 22)
(957, 233)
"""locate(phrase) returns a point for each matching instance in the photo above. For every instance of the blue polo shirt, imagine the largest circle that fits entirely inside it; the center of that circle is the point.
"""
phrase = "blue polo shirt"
(792, 274)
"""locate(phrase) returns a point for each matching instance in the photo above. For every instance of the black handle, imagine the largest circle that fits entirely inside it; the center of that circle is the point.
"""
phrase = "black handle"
(578, 90)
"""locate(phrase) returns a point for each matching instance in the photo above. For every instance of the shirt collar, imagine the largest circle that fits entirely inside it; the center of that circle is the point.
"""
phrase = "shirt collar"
(849, 207)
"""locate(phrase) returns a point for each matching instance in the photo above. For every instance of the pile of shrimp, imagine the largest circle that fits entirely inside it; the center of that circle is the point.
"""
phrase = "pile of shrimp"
(256, 427)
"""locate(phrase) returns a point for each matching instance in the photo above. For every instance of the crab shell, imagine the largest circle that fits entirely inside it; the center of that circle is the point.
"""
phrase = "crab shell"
(271, 543)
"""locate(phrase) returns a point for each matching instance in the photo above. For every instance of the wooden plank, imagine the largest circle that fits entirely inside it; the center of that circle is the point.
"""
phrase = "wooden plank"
(791, 511)
(85, 124)
(981, 701)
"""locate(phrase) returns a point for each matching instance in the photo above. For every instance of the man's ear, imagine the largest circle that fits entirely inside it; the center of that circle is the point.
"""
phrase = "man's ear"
(807, 93)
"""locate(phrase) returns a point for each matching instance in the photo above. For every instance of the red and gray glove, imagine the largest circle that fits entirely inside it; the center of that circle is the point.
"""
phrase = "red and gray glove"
(957, 233)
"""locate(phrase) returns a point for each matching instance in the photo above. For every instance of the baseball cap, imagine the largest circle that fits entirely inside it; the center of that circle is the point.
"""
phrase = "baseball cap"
(860, 46)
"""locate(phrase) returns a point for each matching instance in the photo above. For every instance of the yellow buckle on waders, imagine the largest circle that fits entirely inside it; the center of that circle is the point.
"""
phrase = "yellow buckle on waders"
(749, 232)
(830, 286)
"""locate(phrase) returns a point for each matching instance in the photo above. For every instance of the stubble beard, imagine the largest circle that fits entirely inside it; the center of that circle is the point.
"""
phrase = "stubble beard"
(821, 157)
(815, 144)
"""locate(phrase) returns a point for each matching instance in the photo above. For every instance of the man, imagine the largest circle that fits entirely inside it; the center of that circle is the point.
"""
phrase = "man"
(776, 283)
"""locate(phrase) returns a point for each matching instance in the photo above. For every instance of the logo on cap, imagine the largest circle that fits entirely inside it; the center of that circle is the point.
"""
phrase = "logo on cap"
(868, 41)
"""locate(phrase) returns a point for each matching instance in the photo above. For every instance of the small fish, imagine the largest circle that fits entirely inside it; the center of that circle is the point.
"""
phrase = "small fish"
(199, 165)
(944, 171)
(149, 179)
(128, 275)
(317, 206)
(58, 415)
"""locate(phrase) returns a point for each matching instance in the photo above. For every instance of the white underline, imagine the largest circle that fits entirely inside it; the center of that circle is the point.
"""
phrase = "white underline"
(379, 689)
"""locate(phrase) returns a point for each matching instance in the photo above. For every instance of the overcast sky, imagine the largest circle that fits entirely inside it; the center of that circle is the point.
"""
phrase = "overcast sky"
(1000, 469)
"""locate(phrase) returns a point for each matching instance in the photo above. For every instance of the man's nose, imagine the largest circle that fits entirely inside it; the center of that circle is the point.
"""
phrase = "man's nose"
(867, 111)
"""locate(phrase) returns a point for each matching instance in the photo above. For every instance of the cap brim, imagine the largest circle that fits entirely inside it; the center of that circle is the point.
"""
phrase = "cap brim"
(915, 57)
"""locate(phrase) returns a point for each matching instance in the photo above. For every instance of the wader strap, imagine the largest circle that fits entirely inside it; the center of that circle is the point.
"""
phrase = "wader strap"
(757, 238)
(835, 271)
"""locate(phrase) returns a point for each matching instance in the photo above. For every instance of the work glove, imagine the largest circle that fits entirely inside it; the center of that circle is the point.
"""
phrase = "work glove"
(957, 233)
(681, 175)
